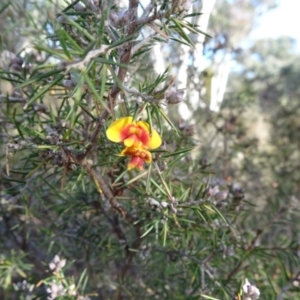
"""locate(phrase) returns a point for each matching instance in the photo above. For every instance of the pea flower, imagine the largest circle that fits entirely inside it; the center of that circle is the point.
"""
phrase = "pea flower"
(133, 133)
(137, 139)
(138, 156)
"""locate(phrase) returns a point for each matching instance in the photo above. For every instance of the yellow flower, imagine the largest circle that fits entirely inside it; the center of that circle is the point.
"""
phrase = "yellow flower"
(137, 139)
(138, 156)
(133, 134)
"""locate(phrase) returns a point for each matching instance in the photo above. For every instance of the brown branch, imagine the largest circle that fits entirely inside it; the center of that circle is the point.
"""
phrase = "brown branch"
(125, 55)
(157, 15)
(248, 249)
(107, 195)
(106, 191)
(12, 99)
(101, 184)
(130, 255)
(288, 286)
(24, 245)
(114, 222)
(251, 246)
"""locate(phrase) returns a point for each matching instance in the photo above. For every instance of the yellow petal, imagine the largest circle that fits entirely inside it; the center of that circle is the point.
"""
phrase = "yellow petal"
(155, 139)
(144, 125)
(130, 141)
(123, 152)
(148, 158)
(113, 132)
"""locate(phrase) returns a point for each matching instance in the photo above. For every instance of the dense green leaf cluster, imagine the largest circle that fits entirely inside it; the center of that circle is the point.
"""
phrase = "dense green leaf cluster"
(213, 208)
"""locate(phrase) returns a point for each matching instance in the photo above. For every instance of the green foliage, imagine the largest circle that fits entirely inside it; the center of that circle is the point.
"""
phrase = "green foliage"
(77, 224)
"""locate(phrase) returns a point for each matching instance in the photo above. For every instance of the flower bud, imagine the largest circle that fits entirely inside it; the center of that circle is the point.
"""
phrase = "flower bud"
(153, 203)
(251, 292)
(68, 83)
(220, 196)
(179, 6)
(63, 20)
(119, 19)
(41, 108)
(210, 192)
(204, 162)
(79, 7)
(190, 130)
(65, 124)
(57, 263)
(27, 67)
(8, 56)
(17, 60)
(186, 5)
(72, 167)
(16, 67)
(173, 96)
(181, 124)
(94, 2)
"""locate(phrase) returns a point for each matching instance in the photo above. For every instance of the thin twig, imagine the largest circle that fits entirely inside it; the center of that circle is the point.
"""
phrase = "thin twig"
(12, 99)
(125, 54)
(143, 42)
(26, 246)
(83, 62)
(106, 191)
(251, 246)
(288, 286)
(143, 20)
(114, 222)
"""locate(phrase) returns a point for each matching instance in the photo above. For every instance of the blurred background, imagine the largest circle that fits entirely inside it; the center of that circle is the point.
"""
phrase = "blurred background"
(240, 114)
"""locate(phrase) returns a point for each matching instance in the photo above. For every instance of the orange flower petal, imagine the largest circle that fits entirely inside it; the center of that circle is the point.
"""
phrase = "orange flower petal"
(136, 162)
(138, 157)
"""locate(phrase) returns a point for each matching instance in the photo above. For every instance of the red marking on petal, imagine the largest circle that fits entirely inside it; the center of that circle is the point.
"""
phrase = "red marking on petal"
(137, 133)
(136, 162)
(138, 157)
(144, 136)
(125, 131)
